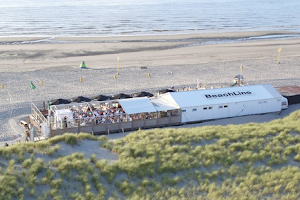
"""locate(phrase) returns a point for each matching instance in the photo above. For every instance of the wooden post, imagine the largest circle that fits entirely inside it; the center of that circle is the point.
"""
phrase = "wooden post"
(93, 124)
(119, 123)
(123, 131)
(106, 123)
(156, 119)
(131, 123)
(78, 124)
(108, 133)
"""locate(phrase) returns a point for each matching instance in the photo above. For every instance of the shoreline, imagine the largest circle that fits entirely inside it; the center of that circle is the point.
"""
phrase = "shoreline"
(149, 37)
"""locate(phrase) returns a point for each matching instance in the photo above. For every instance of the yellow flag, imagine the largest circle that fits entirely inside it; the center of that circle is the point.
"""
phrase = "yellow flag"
(242, 67)
(279, 49)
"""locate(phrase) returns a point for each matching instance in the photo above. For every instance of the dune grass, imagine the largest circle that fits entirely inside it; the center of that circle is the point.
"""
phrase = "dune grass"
(252, 161)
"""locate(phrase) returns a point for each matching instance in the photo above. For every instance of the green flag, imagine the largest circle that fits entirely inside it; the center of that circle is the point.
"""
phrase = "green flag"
(31, 85)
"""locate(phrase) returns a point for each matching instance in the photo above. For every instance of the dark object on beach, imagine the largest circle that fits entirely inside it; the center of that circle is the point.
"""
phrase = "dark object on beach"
(6, 145)
(59, 101)
(80, 99)
(165, 91)
(143, 94)
(101, 98)
(121, 96)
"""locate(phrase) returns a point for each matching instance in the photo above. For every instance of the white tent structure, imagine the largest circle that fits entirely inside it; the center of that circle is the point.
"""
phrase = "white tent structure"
(200, 105)
(137, 105)
(59, 116)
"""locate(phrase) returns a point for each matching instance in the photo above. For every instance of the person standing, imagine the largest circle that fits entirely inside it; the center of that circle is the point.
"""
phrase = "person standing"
(65, 122)
(27, 133)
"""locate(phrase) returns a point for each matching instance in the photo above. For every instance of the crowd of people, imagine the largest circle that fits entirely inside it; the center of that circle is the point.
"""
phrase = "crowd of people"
(103, 113)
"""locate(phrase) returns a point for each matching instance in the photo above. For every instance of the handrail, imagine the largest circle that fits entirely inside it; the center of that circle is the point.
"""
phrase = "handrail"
(40, 118)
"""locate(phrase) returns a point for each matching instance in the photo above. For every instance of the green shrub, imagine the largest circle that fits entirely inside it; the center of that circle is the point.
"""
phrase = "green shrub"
(52, 150)
(11, 167)
(36, 167)
(93, 158)
(103, 138)
(55, 184)
(86, 136)
(71, 139)
(56, 139)
(26, 163)
(106, 145)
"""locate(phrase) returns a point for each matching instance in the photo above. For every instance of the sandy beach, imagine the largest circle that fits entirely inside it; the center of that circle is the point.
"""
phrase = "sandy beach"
(171, 60)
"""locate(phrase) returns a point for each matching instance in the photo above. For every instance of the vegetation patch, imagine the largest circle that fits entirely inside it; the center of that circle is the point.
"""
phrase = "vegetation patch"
(252, 161)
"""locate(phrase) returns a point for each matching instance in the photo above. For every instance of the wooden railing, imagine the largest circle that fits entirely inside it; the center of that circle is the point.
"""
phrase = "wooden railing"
(38, 116)
(60, 128)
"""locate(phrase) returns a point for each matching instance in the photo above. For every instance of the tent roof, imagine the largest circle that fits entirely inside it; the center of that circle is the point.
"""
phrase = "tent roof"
(121, 96)
(143, 94)
(196, 98)
(162, 91)
(101, 97)
(59, 101)
(80, 99)
(137, 105)
(162, 105)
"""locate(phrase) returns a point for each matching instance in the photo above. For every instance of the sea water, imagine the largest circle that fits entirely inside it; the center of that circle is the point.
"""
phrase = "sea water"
(141, 17)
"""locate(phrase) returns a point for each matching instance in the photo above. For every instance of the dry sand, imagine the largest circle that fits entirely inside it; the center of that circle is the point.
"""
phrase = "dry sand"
(176, 60)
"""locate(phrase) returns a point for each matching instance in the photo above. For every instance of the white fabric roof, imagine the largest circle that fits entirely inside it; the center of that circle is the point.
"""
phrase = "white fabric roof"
(221, 95)
(162, 104)
(60, 114)
(137, 105)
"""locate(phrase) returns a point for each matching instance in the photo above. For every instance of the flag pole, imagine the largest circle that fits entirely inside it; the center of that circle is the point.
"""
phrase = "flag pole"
(279, 55)
(32, 87)
(241, 74)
